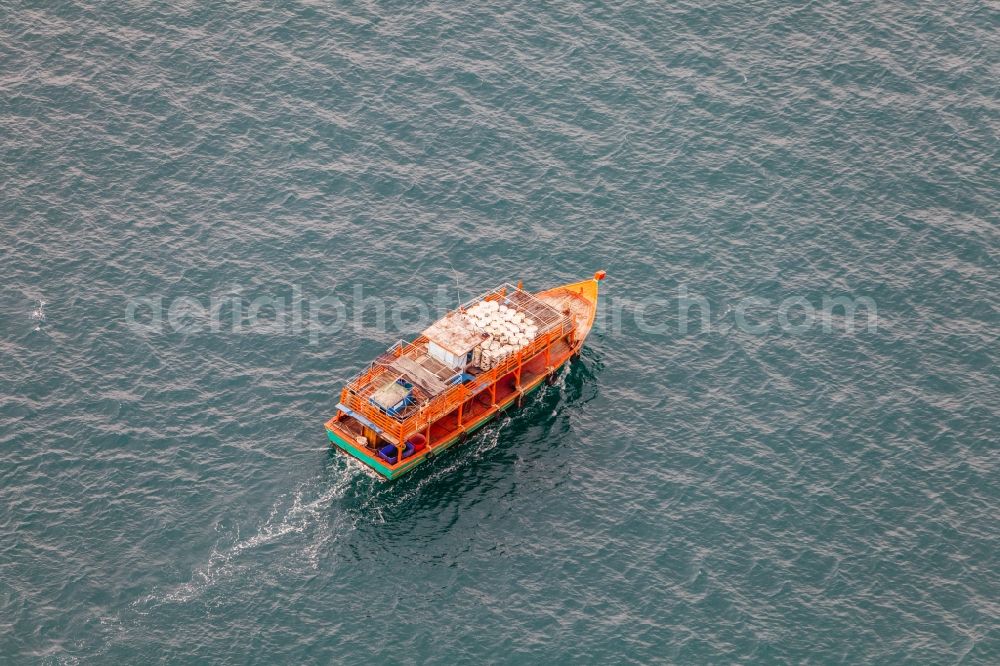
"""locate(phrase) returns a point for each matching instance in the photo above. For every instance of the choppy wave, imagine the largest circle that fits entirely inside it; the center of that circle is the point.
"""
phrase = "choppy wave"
(690, 497)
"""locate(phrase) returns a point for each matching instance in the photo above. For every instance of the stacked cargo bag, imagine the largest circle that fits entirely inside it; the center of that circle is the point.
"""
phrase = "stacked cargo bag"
(509, 331)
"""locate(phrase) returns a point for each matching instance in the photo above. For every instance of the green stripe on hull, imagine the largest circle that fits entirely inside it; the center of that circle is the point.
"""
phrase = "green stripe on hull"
(354, 451)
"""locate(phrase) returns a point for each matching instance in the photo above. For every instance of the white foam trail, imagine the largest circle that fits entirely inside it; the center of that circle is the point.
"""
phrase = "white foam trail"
(305, 514)
(223, 563)
(38, 314)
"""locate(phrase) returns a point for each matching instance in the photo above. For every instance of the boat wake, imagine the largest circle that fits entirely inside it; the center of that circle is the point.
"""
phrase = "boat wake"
(38, 314)
(306, 511)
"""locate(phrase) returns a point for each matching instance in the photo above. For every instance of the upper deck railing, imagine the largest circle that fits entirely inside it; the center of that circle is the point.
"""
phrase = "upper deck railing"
(357, 393)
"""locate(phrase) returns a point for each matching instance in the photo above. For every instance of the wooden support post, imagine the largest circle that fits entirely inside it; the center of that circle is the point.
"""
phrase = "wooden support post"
(517, 379)
(493, 393)
(549, 374)
(460, 406)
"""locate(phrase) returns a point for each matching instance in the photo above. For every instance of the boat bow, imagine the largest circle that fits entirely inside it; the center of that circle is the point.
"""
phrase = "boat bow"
(577, 299)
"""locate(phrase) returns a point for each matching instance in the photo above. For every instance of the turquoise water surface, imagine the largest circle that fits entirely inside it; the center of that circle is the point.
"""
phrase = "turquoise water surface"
(766, 485)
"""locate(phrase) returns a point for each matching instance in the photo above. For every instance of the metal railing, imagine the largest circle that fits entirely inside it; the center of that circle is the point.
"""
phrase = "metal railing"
(451, 398)
(552, 325)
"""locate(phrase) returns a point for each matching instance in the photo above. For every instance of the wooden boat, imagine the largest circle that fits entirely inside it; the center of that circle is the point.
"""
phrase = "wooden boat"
(419, 398)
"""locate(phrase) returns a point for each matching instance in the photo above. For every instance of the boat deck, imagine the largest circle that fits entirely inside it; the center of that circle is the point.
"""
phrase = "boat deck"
(532, 372)
(478, 408)
(570, 304)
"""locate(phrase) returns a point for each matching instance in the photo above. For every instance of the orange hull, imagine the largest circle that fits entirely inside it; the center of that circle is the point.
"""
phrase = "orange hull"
(372, 434)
